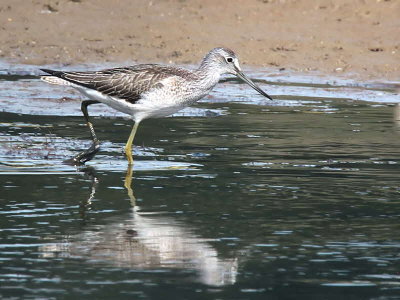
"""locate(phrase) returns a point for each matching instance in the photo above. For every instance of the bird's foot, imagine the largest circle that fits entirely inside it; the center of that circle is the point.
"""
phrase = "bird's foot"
(84, 156)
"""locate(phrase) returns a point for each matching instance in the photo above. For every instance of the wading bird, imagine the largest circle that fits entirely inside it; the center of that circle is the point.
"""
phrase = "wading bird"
(147, 90)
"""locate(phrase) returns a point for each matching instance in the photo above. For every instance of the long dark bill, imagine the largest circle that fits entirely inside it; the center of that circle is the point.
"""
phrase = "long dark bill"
(251, 83)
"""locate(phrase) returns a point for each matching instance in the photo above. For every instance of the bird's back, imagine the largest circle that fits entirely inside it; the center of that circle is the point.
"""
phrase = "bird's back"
(127, 83)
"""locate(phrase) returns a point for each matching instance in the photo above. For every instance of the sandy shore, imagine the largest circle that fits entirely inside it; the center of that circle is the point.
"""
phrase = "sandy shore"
(354, 38)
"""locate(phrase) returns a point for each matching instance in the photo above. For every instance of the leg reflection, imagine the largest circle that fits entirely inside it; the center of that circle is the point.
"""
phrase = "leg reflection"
(128, 185)
(86, 204)
(90, 172)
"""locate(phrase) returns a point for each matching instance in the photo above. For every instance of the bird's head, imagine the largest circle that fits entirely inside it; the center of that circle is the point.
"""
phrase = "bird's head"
(226, 61)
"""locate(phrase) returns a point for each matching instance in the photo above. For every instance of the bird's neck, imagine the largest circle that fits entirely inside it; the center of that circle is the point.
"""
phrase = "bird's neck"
(207, 75)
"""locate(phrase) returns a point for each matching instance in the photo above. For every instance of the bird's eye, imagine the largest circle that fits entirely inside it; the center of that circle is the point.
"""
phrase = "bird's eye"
(229, 59)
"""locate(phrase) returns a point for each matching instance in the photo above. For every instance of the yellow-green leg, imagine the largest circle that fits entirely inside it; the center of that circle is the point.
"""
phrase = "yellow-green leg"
(128, 146)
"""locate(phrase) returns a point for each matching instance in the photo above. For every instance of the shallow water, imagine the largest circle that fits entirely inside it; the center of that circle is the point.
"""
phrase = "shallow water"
(236, 198)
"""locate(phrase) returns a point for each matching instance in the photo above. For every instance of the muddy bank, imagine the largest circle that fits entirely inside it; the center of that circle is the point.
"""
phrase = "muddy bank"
(357, 39)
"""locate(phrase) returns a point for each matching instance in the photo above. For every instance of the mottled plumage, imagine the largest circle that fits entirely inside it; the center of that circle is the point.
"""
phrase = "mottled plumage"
(127, 83)
(148, 90)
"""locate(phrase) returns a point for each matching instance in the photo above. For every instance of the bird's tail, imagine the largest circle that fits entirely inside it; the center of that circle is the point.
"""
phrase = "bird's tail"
(53, 79)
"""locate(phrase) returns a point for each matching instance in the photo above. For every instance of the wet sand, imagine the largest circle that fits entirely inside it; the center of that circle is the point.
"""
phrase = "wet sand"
(356, 39)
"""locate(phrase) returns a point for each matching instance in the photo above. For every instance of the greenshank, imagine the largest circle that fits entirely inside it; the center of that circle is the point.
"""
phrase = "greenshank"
(147, 90)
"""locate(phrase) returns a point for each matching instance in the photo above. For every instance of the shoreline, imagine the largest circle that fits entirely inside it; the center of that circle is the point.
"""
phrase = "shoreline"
(347, 39)
(268, 75)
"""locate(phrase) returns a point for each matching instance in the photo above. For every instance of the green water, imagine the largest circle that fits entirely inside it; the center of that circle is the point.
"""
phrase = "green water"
(299, 201)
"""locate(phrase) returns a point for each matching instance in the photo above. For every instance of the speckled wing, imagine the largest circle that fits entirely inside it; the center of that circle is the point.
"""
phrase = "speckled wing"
(127, 83)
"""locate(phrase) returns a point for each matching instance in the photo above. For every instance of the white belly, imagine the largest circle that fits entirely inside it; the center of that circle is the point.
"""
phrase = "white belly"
(118, 104)
(143, 109)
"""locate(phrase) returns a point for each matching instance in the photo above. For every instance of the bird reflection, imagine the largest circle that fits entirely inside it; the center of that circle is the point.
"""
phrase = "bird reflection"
(146, 241)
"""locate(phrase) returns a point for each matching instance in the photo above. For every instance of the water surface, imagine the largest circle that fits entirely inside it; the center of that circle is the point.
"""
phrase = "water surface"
(236, 198)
